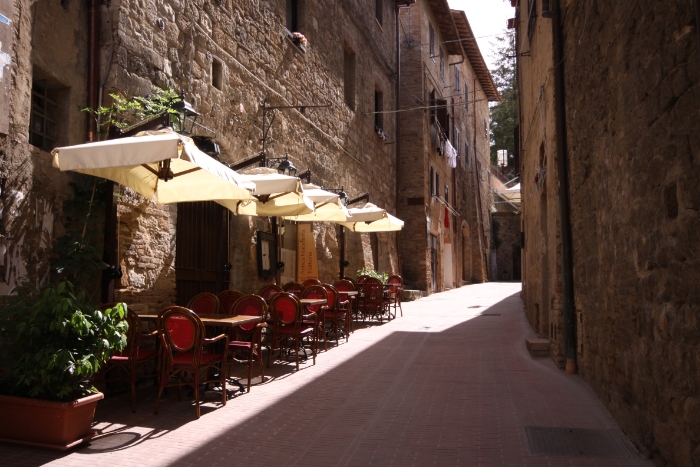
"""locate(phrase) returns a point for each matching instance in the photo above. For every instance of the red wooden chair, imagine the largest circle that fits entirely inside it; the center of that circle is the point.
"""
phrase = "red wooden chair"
(361, 279)
(287, 325)
(346, 285)
(309, 282)
(269, 291)
(318, 320)
(247, 339)
(132, 359)
(337, 312)
(293, 288)
(204, 303)
(227, 298)
(373, 299)
(182, 336)
(395, 291)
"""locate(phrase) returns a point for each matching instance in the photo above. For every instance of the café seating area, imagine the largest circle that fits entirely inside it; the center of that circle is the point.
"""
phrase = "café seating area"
(199, 344)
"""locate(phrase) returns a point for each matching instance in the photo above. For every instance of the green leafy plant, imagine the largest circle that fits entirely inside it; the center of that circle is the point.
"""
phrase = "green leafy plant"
(382, 276)
(128, 111)
(53, 341)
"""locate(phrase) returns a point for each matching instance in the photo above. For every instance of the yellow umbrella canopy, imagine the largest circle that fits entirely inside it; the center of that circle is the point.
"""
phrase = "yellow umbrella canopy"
(275, 195)
(327, 206)
(371, 218)
(161, 163)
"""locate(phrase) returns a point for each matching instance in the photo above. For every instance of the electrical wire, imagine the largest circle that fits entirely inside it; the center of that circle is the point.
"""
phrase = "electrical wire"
(428, 107)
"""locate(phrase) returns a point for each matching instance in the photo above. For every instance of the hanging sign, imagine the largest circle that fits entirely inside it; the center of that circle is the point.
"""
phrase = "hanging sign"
(307, 260)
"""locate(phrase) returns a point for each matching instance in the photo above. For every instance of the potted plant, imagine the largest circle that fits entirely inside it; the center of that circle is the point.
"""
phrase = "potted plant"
(52, 343)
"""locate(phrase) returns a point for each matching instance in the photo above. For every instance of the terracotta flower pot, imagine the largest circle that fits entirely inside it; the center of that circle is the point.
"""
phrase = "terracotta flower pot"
(53, 425)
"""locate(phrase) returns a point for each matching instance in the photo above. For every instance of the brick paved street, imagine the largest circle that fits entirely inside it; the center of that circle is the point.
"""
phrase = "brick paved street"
(444, 385)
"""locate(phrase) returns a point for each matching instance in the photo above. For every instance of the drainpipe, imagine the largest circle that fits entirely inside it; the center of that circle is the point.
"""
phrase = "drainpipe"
(93, 66)
(562, 169)
(697, 21)
(399, 7)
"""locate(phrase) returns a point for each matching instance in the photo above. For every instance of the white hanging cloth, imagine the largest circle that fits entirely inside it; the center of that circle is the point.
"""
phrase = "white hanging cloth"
(451, 154)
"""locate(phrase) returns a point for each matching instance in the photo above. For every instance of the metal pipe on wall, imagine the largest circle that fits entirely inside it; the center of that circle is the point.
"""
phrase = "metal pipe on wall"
(93, 66)
(564, 206)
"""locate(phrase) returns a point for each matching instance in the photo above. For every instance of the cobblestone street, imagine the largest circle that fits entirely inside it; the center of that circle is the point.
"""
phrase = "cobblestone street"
(450, 383)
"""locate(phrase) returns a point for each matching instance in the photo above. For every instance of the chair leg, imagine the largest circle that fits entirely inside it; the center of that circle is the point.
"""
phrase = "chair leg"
(250, 366)
(160, 391)
(222, 375)
(262, 367)
(195, 381)
(272, 349)
(296, 350)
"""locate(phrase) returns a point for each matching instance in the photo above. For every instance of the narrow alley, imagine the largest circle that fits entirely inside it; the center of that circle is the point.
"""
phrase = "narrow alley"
(450, 383)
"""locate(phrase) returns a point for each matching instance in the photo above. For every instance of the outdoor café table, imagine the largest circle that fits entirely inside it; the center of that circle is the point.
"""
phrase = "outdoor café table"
(313, 301)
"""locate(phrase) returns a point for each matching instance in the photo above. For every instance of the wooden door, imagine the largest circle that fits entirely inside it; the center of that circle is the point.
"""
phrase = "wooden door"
(201, 249)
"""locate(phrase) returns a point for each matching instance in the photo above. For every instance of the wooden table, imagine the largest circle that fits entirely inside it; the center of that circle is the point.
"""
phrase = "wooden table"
(349, 293)
(210, 319)
(313, 301)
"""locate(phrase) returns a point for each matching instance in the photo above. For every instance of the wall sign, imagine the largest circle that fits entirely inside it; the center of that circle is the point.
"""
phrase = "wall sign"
(267, 255)
(307, 260)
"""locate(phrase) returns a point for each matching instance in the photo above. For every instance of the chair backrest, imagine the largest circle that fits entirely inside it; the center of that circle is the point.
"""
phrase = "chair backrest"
(227, 298)
(361, 279)
(293, 288)
(270, 291)
(332, 297)
(181, 330)
(350, 279)
(373, 289)
(204, 303)
(285, 309)
(344, 285)
(395, 283)
(315, 291)
(249, 305)
(310, 282)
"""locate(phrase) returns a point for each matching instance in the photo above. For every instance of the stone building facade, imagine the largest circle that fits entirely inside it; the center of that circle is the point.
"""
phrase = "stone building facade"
(445, 90)
(627, 129)
(228, 57)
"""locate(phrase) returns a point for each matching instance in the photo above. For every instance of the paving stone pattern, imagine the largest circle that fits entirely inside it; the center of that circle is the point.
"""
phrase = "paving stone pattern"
(440, 386)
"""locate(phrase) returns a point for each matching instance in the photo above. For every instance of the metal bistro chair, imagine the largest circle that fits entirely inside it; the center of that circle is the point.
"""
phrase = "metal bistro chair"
(293, 288)
(394, 292)
(346, 285)
(309, 282)
(246, 339)
(227, 298)
(183, 340)
(318, 320)
(132, 359)
(374, 303)
(269, 291)
(287, 317)
(336, 312)
(204, 303)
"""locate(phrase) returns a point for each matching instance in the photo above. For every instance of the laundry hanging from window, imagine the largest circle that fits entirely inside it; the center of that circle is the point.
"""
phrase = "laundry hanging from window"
(450, 153)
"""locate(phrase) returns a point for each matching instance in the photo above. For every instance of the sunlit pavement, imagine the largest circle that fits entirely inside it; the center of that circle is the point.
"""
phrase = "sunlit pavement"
(449, 383)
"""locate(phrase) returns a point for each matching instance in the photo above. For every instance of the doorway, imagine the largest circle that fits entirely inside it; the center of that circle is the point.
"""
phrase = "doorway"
(201, 261)
(433, 262)
(447, 266)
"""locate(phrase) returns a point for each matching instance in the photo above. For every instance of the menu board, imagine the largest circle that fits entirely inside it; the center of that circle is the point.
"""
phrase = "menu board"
(307, 259)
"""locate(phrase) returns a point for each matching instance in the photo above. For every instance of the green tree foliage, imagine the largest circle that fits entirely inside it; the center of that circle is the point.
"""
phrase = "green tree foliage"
(504, 115)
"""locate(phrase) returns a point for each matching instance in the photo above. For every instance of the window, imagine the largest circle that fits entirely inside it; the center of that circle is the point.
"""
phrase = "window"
(447, 193)
(378, 108)
(293, 15)
(378, 10)
(437, 184)
(432, 181)
(432, 106)
(217, 74)
(349, 76)
(48, 122)
(443, 118)
(466, 96)
(442, 65)
(466, 154)
(432, 40)
(456, 86)
(457, 142)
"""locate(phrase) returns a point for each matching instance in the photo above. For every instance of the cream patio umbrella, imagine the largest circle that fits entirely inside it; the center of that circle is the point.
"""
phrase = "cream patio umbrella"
(327, 206)
(161, 163)
(275, 195)
(371, 218)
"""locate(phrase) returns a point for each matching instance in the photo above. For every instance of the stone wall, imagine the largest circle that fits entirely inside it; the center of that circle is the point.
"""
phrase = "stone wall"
(249, 41)
(632, 83)
(31, 190)
(509, 248)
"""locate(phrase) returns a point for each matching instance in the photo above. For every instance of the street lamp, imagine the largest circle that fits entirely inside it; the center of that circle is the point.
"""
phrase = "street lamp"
(186, 116)
(285, 167)
(340, 192)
